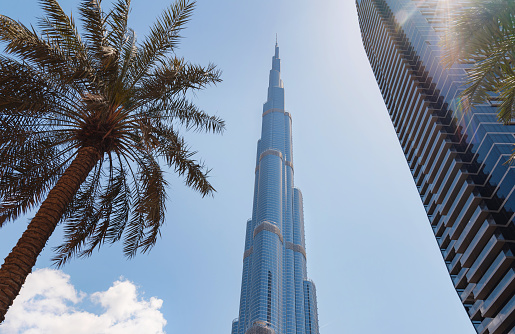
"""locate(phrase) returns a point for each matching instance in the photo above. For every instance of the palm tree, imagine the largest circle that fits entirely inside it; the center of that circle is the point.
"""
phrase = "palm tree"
(85, 123)
(482, 33)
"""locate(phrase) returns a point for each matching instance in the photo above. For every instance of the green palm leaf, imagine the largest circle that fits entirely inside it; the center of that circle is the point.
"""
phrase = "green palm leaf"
(85, 122)
(483, 34)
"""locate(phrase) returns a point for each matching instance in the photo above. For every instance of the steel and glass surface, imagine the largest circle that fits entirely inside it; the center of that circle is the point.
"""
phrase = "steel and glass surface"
(276, 295)
(458, 159)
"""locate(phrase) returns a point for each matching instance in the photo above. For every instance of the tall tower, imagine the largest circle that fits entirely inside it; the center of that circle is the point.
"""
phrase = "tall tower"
(276, 296)
(458, 159)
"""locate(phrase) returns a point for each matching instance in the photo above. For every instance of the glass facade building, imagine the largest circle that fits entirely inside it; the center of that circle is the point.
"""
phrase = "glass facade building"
(276, 295)
(458, 159)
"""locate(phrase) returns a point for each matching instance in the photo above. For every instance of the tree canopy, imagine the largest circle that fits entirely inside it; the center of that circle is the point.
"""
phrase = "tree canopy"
(86, 123)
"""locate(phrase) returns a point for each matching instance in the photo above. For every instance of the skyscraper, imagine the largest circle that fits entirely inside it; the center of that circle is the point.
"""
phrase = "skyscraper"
(458, 159)
(276, 295)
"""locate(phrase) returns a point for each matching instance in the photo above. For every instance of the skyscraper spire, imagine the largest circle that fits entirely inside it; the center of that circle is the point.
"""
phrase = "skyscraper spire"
(275, 97)
(276, 296)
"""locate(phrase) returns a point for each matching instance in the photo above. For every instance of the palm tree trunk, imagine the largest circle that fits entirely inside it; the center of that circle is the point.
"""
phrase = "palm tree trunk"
(18, 264)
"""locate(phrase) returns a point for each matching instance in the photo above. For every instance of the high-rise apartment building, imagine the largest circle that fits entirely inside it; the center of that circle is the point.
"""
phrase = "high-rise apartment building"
(276, 295)
(458, 159)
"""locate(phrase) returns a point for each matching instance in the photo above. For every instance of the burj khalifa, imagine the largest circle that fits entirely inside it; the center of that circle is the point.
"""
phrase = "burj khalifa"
(276, 295)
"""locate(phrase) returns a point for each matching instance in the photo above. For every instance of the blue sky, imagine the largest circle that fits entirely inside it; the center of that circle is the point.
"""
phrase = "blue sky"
(371, 251)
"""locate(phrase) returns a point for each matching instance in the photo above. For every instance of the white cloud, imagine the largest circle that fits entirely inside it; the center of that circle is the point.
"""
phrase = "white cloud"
(49, 304)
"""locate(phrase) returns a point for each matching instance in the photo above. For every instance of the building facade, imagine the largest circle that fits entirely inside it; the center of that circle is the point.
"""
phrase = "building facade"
(276, 295)
(458, 159)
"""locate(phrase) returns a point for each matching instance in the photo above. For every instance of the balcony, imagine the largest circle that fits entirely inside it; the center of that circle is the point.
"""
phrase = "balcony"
(466, 295)
(470, 229)
(460, 281)
(455, 267)
(449, 253)
(485, 258)
(457, 193)
(445, 239)
(500, 324)
(481, 238)
(474, 310)
(439, 229)
(465, 211)
(503, 291)
(503, 261)
(444, 169)
(483, 327)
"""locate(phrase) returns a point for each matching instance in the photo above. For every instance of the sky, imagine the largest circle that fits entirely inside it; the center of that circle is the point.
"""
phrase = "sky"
(370, 249)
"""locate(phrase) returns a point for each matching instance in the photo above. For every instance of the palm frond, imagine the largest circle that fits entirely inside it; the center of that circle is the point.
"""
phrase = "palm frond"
(31, 48)
(32, 157)
(23, 185)
(81, 218)
(186, 113)
(104, 214)
(483, 78)
(121, 203)
(28, 92)
(163, 38)
(480, 26)
(117, 22)
(506, 112)
(93, 25)
(483, 36)
(149, 208)
(129, 52)
(61, 29)
(176, 76)
(105, 55)
(174, 150)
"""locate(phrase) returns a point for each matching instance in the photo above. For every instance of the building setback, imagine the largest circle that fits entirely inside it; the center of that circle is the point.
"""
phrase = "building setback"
(276, 295)
(458, 160)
